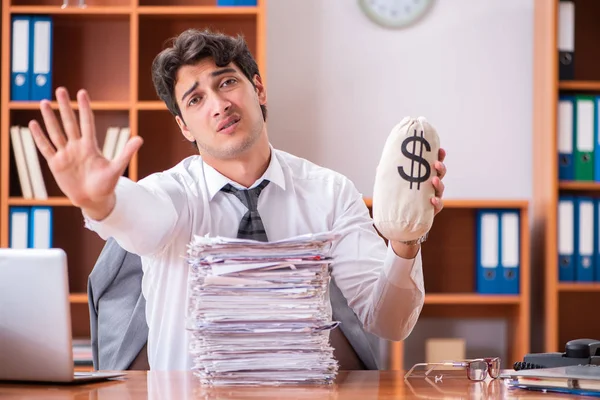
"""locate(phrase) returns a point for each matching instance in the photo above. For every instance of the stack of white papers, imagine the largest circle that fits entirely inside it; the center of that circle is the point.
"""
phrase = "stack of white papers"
(259, 312)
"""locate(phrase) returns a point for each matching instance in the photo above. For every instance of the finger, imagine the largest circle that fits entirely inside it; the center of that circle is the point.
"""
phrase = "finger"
(121, 162)
(439, 187)
(441, 155)
(86, 116)
(440, 167)
(67, 114)
(41, 141)
(438, 204)
(54, 130)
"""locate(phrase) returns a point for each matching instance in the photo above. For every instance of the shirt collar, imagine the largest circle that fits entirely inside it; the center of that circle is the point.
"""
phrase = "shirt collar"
(215, 180)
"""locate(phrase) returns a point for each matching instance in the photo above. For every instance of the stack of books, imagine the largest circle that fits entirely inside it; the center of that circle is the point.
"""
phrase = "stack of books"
(259, 313)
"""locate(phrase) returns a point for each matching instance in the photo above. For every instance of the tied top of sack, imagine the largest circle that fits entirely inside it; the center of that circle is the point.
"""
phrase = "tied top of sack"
(402, 208)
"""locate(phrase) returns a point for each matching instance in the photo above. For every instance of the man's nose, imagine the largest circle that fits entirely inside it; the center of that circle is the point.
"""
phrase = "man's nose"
(221, 106)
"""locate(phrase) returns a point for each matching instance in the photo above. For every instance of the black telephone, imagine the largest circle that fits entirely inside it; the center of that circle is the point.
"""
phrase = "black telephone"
(577, 352)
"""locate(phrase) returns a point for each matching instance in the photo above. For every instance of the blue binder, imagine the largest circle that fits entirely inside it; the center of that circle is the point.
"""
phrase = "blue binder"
(584, 239)
(597, 140)
(566, 238)
(41, 57)
(567, 117)
(510, 249)
(18, 227)
(597, 240)
(488, 253)
(20, 70)
(40, 228)
(225, 3)
(245, 3)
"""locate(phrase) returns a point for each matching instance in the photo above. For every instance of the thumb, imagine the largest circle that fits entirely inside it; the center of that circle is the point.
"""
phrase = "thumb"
(121, 162)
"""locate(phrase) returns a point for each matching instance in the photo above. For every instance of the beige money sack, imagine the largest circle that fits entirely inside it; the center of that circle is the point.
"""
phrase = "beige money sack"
(402, 208)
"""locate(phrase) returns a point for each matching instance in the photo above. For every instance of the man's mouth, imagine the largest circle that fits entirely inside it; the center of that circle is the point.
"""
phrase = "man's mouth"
(229, 122)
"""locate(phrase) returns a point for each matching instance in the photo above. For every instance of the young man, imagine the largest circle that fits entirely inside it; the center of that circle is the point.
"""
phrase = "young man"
(212, 85)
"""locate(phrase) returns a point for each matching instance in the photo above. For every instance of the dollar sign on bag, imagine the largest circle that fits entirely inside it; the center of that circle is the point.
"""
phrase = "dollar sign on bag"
(415, 176)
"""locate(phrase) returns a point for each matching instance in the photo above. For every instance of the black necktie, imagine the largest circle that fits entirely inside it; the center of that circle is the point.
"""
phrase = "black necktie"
(251, 226)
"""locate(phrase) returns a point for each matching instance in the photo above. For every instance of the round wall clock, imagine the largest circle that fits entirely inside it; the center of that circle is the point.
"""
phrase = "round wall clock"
(395, 13)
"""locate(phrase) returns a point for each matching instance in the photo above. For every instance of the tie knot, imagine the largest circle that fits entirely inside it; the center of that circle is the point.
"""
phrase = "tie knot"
(248, 197)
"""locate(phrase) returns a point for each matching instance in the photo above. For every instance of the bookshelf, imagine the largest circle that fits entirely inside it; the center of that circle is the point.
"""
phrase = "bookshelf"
(566, 304)
(107, 48)
(449, 269)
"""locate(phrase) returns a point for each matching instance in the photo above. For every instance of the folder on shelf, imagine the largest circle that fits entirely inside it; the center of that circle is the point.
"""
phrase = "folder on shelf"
(110, 142)
(597, 140)
(225, 3)
(488, 240)
(566, 40)
(584, 239)
(21, 162)
(123, 137)
(597, 239)
(565, 136)
(41, 56)
(245, 3)
(585, 113)
(510, 251)
(40, 228)
(18, 227)
(566, 238)
(20, 66)
(33, 165)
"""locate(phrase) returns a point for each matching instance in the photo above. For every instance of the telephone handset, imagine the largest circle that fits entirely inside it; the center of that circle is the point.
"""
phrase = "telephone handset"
(577, 352)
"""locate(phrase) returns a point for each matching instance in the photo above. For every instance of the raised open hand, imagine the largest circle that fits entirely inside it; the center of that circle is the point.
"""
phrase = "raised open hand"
(83, 174)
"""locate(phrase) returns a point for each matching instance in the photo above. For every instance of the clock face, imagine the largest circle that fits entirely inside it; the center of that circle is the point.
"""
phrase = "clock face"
(395, 13)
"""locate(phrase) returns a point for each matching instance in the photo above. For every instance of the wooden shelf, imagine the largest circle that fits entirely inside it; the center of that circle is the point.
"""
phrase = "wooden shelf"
(579, 287)
(584, 86)
(470, 298)
(474, 203)
(78, 298)
(96, 105)
(72, 10)
(575, 185)
(196, 10)
(566, 305)
(150, 105)
(51, 201)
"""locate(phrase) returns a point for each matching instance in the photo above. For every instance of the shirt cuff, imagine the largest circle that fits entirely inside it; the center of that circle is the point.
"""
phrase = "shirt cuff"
(115, 219)
(404, 273)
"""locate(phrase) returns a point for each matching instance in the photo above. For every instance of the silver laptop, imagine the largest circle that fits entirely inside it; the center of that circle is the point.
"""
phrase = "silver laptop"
(35, 318)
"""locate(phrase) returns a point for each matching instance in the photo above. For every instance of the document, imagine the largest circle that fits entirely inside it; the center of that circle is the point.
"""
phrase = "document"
(259, 312)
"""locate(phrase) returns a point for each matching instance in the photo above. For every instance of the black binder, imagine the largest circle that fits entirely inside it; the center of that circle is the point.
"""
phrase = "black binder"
(566, 40)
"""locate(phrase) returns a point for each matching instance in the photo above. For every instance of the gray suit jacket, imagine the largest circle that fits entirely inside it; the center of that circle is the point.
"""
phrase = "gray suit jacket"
(118, 321)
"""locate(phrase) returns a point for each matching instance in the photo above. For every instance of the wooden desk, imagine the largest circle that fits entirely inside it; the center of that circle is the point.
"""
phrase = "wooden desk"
(360, 385)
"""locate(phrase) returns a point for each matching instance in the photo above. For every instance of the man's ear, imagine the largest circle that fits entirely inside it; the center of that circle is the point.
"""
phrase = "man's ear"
(260, 90)
(184, 130)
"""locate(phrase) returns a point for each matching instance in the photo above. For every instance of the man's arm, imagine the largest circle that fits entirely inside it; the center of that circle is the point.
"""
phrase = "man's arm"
(139, 217)
(145, 214)
(383, 288)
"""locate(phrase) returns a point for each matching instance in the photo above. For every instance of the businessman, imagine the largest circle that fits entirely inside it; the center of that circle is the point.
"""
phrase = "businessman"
(238, 186)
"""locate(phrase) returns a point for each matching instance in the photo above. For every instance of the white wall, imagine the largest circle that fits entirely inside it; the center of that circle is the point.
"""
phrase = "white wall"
(338, 83)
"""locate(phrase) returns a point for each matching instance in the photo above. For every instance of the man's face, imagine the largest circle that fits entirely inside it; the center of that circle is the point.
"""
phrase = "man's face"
(220, 107)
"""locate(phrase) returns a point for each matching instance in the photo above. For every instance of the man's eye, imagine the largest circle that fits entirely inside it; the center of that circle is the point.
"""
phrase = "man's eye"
(228, 82)
(193, 100)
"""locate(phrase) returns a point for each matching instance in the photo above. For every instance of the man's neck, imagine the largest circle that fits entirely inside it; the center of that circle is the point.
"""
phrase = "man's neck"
(246, 169)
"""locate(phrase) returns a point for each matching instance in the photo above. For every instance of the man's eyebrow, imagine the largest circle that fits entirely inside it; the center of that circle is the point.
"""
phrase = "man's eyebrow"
(222, 71)
(190, 90)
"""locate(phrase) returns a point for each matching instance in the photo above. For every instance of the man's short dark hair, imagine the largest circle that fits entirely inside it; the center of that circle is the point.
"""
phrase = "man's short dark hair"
(192, 46)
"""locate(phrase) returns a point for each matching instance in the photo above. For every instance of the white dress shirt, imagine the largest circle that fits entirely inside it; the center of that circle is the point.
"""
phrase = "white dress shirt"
(157, 217)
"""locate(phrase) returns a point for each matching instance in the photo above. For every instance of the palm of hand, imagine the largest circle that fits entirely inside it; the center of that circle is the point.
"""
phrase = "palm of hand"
(81, 171)
(83, 174)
